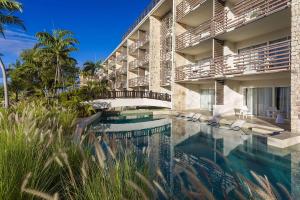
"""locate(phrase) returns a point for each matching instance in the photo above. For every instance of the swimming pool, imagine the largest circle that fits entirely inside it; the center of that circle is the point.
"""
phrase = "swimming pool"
(219, 159)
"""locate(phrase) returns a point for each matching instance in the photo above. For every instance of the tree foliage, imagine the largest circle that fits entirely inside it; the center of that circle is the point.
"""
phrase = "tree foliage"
(40, 71)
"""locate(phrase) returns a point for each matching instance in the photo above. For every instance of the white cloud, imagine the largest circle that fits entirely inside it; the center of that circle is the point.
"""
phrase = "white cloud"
(15, 42)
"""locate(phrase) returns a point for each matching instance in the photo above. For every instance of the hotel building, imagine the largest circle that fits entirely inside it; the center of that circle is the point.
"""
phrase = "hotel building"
(215, 55)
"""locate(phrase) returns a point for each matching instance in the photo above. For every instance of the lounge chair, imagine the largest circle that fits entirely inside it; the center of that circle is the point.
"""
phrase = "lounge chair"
(234, 125)
(214, 121)
(237, 125)
(189, 117)
(195, 118)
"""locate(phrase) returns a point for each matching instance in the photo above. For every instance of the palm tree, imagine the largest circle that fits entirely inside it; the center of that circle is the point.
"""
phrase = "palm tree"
(7, 9)
(59, 44)
(90, 68)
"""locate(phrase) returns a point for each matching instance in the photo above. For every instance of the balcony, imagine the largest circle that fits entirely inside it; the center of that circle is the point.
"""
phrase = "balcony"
(139, 63)
(141, 81)
(141, 43)
(248, 11)
(186, 7)
(268, 58)
(203, 69)
(121, 57)
(112, 64)
(122, 70)
(112, 76)
(194, 36)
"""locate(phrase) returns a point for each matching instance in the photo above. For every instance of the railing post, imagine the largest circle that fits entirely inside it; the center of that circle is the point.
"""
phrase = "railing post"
(114, 94)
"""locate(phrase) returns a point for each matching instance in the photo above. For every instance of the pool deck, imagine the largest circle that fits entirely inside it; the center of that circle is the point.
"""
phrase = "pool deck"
(263, 127)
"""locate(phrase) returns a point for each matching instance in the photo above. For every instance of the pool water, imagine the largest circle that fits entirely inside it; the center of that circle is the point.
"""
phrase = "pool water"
(219, 159)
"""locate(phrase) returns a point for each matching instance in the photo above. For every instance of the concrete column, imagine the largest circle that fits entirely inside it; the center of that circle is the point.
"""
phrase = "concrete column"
(295, 67)
(154, 54)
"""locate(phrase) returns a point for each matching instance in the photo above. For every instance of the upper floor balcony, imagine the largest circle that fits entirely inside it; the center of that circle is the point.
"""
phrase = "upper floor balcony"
(186, 7)
(248, 11)
(139, 63)
(267, 58)
(141, 43)
(122, 70)
(202, 69)
(122, 57)
(141, 81)
(112, 75)
(193, 36)
(112, 64)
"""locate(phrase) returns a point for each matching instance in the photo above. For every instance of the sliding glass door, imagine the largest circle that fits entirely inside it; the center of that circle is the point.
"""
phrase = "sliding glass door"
(258, 100)
(283, 101)
(265, 101)
(207, 99)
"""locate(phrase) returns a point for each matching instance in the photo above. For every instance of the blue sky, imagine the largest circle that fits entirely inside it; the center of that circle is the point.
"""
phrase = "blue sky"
(97, 24)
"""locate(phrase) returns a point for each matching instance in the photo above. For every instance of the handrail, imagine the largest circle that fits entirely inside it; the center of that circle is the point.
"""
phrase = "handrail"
(133, 94)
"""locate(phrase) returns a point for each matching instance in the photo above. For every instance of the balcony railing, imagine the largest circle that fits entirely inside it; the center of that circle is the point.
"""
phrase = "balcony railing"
(203, 69)
(133, 94)
(122, 70)
(141, 81)
(194, 36)
(139, 63)
(248, 11)
(121, 57)
(111, 64)
(187, 6)
(268, 58)
(138, 44)
(112, 75)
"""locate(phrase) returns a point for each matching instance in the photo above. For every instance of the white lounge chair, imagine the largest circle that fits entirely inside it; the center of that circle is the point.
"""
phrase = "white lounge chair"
(189, 117)
(196, 117)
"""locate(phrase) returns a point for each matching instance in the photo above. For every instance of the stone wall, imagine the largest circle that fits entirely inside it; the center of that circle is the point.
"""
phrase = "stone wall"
(295, 67)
